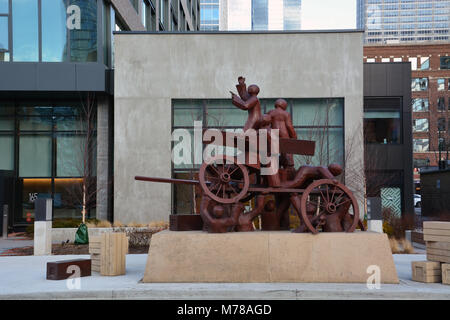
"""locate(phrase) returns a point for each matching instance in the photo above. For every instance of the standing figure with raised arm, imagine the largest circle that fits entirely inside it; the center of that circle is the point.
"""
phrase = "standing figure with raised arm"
(248, 100)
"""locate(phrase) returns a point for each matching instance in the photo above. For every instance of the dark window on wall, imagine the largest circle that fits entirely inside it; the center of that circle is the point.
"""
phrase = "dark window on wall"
(441, 103)
(320, 120)
(420, 163)
(445, 62)
(382, 120)
(441, 124)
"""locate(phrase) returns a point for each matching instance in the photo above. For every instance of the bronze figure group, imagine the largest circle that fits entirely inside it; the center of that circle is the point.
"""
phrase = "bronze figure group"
(321, 202)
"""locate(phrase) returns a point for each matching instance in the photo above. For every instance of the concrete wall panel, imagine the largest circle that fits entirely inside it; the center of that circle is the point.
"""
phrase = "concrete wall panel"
(153, 69)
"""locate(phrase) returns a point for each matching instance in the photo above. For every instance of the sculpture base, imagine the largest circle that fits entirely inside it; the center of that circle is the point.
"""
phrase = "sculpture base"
(261, 256)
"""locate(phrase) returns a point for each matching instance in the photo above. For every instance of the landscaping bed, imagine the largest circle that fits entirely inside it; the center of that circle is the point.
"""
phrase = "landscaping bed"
(68, 249)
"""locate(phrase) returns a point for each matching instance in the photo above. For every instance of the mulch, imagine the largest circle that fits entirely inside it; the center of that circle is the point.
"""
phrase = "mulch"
(66, 249)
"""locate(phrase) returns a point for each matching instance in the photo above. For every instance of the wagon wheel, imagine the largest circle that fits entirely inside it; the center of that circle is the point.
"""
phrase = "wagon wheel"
(329, 197)
(224, 182)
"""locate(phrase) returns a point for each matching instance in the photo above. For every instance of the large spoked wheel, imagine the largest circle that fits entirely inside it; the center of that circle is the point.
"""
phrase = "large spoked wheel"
(223, 179)
(329, 197)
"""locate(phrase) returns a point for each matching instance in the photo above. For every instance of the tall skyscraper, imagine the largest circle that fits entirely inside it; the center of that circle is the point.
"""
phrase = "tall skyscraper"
(247, 15)
(360, 14)
(404, 21)
(209, 15)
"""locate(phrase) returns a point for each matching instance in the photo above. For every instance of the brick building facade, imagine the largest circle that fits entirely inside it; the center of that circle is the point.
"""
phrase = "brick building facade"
(430, 97)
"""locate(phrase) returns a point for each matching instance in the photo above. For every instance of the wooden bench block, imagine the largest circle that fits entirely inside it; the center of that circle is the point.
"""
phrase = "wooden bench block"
(426, 271)
(436, 232)
(438, 245)
(445, 273)
(438, 258)
(432, 237)
(58, 270)
(444, 225)
(438, 252)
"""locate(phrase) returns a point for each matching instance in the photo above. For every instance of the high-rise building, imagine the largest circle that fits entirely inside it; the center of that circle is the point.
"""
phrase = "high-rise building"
(209, 15)
(247, 15)
(360, 14)
(404, 21)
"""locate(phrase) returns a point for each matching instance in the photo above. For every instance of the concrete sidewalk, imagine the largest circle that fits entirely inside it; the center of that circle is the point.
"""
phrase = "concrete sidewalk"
(25, 278)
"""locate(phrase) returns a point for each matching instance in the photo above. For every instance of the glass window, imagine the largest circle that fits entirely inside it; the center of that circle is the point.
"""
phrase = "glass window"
(83, 41)
(69, 155)
(260, 16)
(421, 145)
(4, 44)
(420, 163)
(31, 190)
(382, 120)
(315, 112)
(441, 84)
(441, 104)
(35, 156)
(4, 6)
(221, 113)
(420, 125)
(67, 199)
(420, 105)
(382, 126)
(54, 35)
(7, 152)
(445, 62)
(441, 124)
(25, 30)
(419, 84)
(424, 63)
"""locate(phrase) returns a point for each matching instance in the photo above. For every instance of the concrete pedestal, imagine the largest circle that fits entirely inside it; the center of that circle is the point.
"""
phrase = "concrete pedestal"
(375, 225)
(42, 238)
(268, 256)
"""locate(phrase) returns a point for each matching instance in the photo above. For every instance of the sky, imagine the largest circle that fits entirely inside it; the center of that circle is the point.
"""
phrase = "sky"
(328, 14)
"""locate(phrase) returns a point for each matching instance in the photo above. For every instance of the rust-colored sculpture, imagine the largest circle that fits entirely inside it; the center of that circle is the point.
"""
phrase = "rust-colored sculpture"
(216, 217)
(248, 100)
(320, 200)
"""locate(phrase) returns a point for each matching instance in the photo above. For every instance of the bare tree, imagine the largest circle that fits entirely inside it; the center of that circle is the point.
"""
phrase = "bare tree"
(84, 195)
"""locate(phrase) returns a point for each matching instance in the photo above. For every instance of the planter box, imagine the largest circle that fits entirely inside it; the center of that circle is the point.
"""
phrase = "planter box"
(138, 236)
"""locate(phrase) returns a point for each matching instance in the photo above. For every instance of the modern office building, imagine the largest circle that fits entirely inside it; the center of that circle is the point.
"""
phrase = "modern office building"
(57, 59)
(430, 92)
(209, 15)
(247, 15)
(404, 21)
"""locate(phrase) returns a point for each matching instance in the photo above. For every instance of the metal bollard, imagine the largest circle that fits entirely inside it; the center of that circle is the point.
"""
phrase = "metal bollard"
(5, 221)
